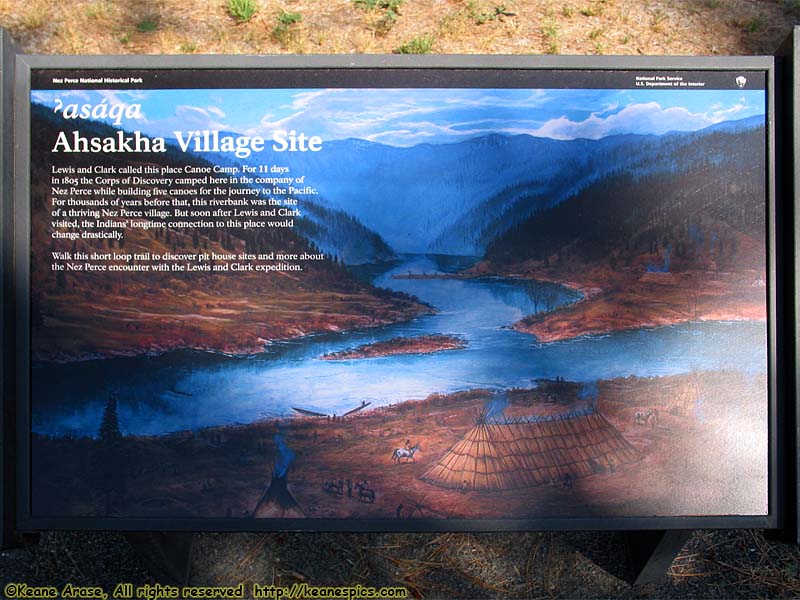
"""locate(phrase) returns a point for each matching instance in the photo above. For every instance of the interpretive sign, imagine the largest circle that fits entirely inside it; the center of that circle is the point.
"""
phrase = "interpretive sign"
(442, 293)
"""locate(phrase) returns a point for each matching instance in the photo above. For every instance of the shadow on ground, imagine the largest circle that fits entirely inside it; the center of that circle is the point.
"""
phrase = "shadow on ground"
(713, 564)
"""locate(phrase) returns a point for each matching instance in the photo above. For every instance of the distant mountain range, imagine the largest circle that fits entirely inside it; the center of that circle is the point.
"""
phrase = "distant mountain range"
(457, 198)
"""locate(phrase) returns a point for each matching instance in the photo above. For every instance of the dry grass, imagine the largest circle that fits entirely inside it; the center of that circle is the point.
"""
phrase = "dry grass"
(713, 564)
(457, 26)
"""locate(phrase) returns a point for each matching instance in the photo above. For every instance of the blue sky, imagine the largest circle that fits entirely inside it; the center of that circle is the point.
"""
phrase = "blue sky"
(406, 117)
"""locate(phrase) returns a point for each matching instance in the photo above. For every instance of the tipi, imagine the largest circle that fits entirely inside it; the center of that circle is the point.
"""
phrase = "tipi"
(277, 502)
(517, 453)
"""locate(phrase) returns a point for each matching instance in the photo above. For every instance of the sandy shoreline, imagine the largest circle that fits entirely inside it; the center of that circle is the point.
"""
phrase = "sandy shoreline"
(230, 320)
(423, 344)
(615, 301)
(243, 324)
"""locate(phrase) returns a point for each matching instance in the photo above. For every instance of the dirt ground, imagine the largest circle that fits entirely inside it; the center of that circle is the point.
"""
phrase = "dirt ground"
(223, 471)
(712, 564)
(680, 462)
(383, 26)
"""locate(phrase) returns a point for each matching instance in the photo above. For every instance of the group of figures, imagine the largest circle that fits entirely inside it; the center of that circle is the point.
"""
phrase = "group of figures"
(359, 490)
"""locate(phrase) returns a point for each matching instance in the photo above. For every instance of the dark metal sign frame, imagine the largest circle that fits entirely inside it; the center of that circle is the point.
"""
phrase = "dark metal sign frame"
(422, 71)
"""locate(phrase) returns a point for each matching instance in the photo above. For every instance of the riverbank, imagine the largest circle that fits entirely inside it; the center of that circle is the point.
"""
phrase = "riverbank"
(634, 298)
(222, 471)
(235, 315)
(424, 344)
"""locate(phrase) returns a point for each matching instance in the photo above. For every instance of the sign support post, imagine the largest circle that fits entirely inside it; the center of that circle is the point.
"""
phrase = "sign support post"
(8, 54)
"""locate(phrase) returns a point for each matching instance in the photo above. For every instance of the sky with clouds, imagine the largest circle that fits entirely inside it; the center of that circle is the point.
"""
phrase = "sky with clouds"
(406, 117)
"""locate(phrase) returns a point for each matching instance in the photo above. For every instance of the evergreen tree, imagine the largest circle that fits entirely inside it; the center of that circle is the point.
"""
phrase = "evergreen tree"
(109, 427)
(110, 459)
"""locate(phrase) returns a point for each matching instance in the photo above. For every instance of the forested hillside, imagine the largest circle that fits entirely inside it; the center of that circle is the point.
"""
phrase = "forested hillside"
(696, 210)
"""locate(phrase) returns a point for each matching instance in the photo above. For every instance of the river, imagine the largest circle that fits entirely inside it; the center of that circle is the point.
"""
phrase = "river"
(186, 390)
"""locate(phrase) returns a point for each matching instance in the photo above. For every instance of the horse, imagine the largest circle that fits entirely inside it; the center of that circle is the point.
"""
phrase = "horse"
(333, 487)
(407, 453)
(646, 417)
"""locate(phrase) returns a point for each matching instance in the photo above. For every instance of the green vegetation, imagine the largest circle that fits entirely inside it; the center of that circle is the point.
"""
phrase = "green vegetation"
(242, 10)
(481, 15)
(289, 18)
(550, 33)
(390, 8)
(421, 44)
(755, 25)
(390, 5)
(282, 30)
(146, 26)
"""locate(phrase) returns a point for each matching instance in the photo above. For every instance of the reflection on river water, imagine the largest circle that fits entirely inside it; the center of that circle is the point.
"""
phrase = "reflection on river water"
(190, 390)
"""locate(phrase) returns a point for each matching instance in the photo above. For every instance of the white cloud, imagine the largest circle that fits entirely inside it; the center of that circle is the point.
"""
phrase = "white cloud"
(120, 98)
(79, 94)
(644, 118)
(404, 117)
(608, 107)
(200, 118)
(41, 97)
(50, 97)
(723, 113)
(395, 116)
(137, 95)
(407, 137)
(216, 112)
(187, 117)
(303, 100)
